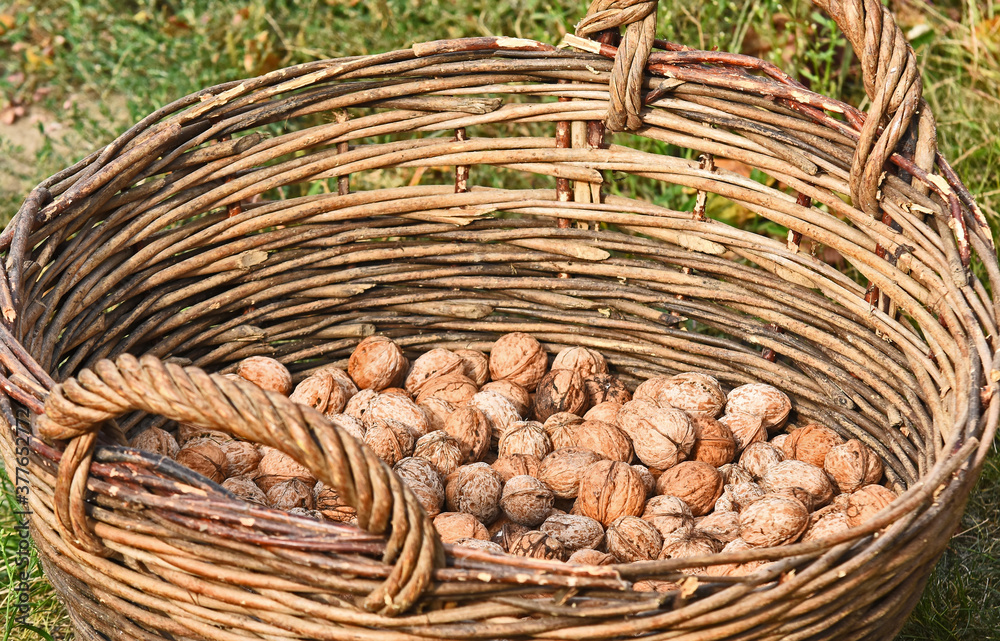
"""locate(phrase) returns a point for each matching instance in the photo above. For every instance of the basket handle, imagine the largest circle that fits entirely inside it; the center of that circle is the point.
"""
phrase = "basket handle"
(888, 64)
(75, 409)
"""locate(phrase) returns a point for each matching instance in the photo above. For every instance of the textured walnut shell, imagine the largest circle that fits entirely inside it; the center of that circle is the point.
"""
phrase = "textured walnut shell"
(538, 545)
(585, 361)
(586, 556)
(396, 391)
(663, 437)
(331, 506)
(187, 432)
(766, 401)
(242, 457)
(205, 457)
(358, 406)
(436, 411)
(695, 393)
(266, 373)
(499, 410)
(631, 539)
(648, 480)
(244, 488)
(778, 440)
(518, 357)
(454, 526)
(721, 526)
(610, 489)
(290, 494)
(526, 500)
(347, 385)
(392, 407)
(156, 441)
(852, 466)
(515, 465)
(504, 532)
(792, 473)
(470, 427)
(601, 388)
(474, 489)
(758, 457)
(475, 365)
(725, 503)
(275, 467)
(811, 444)
(442, 450)
(736, 569)
(315, 391)
(828, 525)
(519, 397)
(561, 469)
(697, 484)
(684, 544)
(525, 437)
(561, 390)
(606, 411)
(436, 362)
(632, 413)
(604, 438)
(867, 502)
(424, 480)
(574, 531)
(349, 424)
(734, 473)
(773, 520)
(560, 428)
(479, 544)
(668, 514)
(391, 441)
(454, 388)
(744, 494)
(376, 363)
(713, 442)
(650, 388)
(746, 428)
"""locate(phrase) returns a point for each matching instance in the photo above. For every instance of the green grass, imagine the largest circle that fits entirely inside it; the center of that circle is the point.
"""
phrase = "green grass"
(90, 68)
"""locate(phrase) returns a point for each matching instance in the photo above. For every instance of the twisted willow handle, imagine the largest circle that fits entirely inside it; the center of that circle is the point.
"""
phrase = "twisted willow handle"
(75, 408)
(889, 68)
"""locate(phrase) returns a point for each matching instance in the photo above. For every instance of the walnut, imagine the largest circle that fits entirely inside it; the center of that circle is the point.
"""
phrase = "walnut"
(424, 480)
(722, 526)
(574, 531)
(632, 413)
(391, 407)
(471, 429)
(156, 441)
(649, 389)
(746, 428)
(475, 365)
(390, 440)
(668, 514)
(331, 506)
(586, 556)
(648, 480)
(436, 411)
(663, 437)
(454, 388)
(773, 520)
(316, 391)
(811, 444)
(187, 432)
(516, 465)
(789, 474)
(291, 493)
(376, 363)
(695, 393)
(358, 406)
(499, 410)
(744, 494)
(242, 457)
(685, 544)
(560, 426)
(442, 450)
(517, 395)
(275, 466)
(610, 489)
(519, 357)
(454, 526)
(586, 362)
(852, 466)
(631, 539)
(603, 438)
(561, 469)
(347, 386)
(734, 473)
(830, 524)
(437, 362)
(476, 489)
(526, 500)
(605, 387)
(538, 545)
(504, 532)
(697, 484)
(736, 569)
(726, 503)
(266, 373)
(778, 440)
(349, 424)
(244, 488)
(525, 437)
(396, 391)
(561, 390)
(865, 503)
(758, 457)
(606, 411)
(714, 443)
(205, 457)
(479, 544)
(768, 402)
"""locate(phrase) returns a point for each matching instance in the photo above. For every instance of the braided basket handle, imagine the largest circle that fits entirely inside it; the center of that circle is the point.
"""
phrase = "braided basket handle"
(75, 408)
(889, 67)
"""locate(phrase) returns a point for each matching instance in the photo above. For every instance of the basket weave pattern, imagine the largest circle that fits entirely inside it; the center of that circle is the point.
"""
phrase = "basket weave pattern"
(160, 245)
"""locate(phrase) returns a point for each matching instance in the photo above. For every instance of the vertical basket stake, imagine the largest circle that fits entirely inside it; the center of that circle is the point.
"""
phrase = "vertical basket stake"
(461, 171)
(706, 162)
(343, 182)
(233, 209)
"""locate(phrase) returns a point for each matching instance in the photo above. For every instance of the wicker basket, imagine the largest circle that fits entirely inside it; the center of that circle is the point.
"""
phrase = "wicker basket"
(161, 245)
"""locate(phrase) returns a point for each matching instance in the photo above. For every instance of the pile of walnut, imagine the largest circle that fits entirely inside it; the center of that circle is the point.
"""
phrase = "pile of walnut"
(512, 455)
